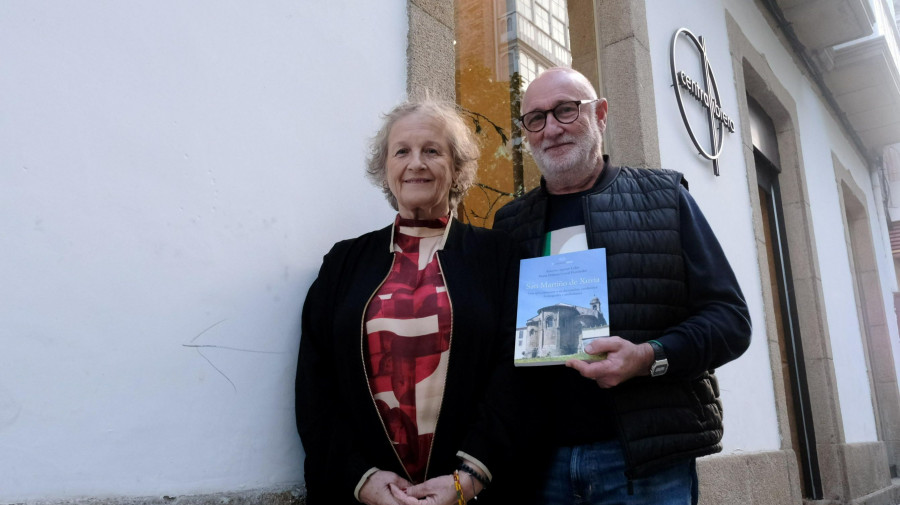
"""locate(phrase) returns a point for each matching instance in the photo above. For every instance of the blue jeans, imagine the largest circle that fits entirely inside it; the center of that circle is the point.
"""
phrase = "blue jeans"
(594, 474)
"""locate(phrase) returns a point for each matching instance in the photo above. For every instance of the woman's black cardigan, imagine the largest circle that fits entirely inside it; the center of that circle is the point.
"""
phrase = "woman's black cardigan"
(342, 433)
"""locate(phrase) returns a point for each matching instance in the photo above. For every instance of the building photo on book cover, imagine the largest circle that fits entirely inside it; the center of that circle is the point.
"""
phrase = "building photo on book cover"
(561, 304)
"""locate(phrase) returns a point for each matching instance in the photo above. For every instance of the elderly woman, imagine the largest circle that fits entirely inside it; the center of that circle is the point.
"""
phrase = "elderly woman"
(404, 387)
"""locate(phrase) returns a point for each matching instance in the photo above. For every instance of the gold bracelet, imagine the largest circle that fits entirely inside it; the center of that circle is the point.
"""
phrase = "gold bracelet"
(461, 500)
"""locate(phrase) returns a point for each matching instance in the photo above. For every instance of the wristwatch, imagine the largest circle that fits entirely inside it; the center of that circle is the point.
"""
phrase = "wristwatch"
(660, 363)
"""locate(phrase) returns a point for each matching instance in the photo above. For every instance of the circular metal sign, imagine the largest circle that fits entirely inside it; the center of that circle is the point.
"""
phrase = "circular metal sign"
(706, 92)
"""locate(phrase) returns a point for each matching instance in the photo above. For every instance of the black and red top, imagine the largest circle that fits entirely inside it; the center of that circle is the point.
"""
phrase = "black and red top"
(408, 341)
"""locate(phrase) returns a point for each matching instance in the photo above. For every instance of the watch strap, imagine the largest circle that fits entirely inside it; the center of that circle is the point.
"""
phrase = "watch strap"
(659, 353)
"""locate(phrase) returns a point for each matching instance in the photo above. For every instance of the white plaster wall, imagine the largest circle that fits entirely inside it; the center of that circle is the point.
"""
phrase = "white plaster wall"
(820, 137)
(171, 174)
(844, 325)
(746, 383)
(750, 417)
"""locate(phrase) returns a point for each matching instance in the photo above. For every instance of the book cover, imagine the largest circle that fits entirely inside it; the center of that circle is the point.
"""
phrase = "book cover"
(561, 307)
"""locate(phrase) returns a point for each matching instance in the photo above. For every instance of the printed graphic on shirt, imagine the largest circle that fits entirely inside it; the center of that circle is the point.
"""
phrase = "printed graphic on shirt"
(565, 240)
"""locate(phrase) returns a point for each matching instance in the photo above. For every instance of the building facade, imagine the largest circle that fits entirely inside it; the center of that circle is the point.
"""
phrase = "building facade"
(172, 176)
(560, 329)
(783, 116)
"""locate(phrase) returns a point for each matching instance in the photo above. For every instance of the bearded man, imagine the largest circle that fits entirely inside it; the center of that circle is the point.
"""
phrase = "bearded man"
(628, 428)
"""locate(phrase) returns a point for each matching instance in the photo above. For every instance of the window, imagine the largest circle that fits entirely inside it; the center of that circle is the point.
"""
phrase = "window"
(491, 73)
(558, 8)
(526, 29)
(559, 31)
(544, 43)
(542, 19)
(523, 7)
(528, 69)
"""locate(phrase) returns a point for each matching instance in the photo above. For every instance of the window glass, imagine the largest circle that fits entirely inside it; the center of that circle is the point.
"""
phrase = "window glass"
(528, 68)
(542, 19)
(526, 30)
(523, 8)
(498, 52)
(544, 43)
(558, 7)
(559, 31)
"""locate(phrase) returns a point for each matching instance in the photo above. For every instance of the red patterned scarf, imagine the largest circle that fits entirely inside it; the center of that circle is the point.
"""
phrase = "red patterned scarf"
(408, 341)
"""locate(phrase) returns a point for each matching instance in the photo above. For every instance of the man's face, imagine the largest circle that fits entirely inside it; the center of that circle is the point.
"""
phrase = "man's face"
(563, 152)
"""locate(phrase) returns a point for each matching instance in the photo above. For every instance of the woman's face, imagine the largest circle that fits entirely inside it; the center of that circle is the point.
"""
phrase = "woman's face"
(420, 167)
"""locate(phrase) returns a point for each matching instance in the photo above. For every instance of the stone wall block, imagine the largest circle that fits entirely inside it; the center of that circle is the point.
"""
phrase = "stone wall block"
(431, 58)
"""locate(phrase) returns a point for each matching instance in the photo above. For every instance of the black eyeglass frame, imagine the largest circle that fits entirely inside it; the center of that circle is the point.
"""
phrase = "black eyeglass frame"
(544, 113)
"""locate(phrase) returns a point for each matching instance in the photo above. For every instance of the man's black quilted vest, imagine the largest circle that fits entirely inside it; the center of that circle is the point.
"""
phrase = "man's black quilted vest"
(635, 217)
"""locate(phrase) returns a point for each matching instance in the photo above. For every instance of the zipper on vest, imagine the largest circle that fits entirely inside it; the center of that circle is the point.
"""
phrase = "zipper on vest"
(586, 213)
(362, 356)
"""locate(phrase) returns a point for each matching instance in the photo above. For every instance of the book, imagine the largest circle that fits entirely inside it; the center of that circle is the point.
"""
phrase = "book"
(561, 304)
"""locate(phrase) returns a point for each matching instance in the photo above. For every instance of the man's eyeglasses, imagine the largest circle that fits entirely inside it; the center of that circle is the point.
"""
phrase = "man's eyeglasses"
(566, 112)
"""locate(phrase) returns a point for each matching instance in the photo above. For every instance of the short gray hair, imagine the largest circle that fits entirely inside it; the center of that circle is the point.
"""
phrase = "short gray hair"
(463, 147)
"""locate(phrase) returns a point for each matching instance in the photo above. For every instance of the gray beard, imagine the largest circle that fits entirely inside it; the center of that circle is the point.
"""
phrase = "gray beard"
(572, 168)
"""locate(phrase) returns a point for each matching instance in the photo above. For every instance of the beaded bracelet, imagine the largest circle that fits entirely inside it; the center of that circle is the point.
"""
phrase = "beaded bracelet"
(461, 500)
(477, 476)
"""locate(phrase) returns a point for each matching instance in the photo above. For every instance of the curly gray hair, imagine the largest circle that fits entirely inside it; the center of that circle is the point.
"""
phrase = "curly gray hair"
(463, 147)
